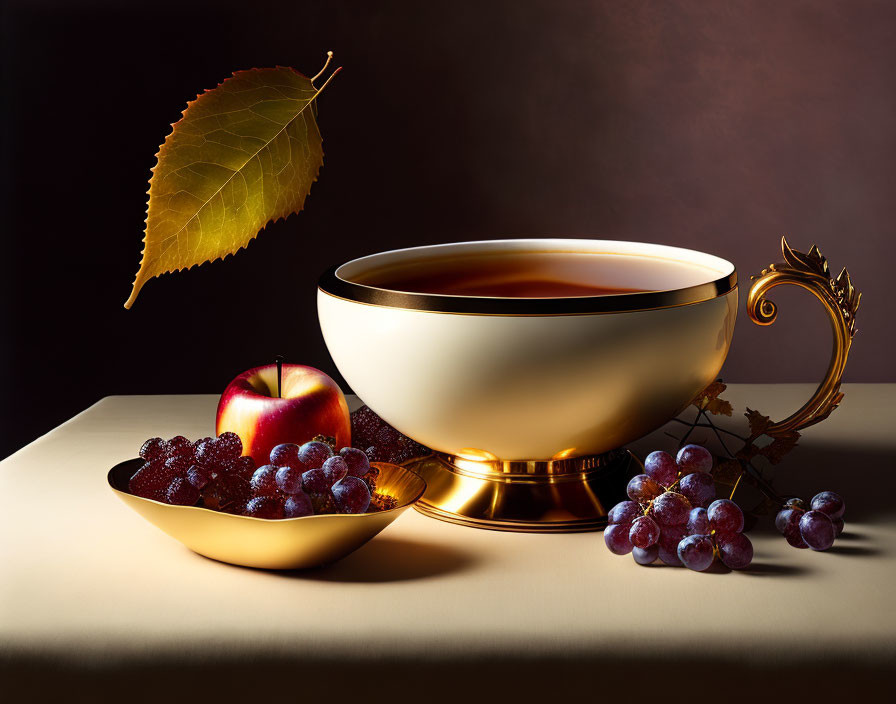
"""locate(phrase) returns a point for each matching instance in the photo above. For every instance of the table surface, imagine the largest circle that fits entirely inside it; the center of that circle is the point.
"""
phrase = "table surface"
(88, 581)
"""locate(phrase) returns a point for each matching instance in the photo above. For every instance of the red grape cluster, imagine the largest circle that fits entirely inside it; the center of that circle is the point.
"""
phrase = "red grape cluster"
(815, 528)
(672, 515)
(381, 441)
(299, 481)
(177, 471)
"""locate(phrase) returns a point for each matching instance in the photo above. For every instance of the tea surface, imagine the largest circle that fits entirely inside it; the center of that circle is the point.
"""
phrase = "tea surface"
(504, 275)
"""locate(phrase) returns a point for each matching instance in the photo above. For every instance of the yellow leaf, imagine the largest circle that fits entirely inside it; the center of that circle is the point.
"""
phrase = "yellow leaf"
(243, 154)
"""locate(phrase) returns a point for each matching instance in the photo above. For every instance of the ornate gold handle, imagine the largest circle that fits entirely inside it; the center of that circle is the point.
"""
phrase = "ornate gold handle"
(840, 299)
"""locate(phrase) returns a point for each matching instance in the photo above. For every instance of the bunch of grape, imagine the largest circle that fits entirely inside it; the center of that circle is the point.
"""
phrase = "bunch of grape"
(177, 471)
(381, 441)
(815, 528)
(672, 515)
(311, 479)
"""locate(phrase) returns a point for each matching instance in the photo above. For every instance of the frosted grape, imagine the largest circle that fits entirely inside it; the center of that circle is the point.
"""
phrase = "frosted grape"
(286, 454)
(671, 509)
(735, 550)
(817, 530)
(356, 460)
(297, 505)
(699, 488)
(698, 523)
(725, 516)
(694, 458)
(644, 532)
(646, 556)
(335, 469)
(696, 552)
(617, 540)
(264, 507)
(289, 480)
(829, 503)
(624, 512)
(642, 489)
(313, 454)
(152, 449)
(661, 467)
(351, 495)
(264, 481)
(182, 493)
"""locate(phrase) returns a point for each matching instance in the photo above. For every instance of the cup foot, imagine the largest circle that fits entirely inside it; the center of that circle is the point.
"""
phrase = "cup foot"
(536, 502)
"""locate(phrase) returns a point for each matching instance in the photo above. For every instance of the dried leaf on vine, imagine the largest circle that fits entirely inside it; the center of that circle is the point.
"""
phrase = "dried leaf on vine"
(708, 400)
(758, 423)
(782, 444)
(727, 472)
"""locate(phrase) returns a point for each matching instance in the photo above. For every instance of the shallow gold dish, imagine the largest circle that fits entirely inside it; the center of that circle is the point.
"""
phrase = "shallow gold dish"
(291, 543)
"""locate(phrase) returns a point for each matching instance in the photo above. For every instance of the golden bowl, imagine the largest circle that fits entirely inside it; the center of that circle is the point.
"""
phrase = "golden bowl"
(290, 543)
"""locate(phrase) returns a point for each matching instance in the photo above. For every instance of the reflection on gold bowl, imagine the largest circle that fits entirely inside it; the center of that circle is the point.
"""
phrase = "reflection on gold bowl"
(292, 543)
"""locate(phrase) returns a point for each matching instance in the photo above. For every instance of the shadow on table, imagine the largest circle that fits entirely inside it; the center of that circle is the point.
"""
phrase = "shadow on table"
(388, 560)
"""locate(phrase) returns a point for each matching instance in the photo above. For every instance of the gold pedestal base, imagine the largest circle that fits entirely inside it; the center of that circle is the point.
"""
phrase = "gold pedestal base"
(562, 496)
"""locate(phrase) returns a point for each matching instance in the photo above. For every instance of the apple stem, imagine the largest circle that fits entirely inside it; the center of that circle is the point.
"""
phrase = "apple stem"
(279, 360)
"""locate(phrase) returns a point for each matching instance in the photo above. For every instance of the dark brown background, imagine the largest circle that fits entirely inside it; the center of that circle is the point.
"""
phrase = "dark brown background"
(711, 125)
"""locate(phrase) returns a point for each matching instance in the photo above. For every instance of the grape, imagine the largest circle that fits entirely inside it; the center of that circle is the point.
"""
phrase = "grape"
(698, 523)
(206, 452)
(229, 446)
(228, 492)
(696, 552)
(335, 469)
(671, 509)
(817, 530)
(644, 532)
(153, 448)
(297, 505)
(725, 516)
(646, 556)
(624, 512)
(383, 442)
(699, 488)
(838, 527)
(735, 550)
(642, 489)
(243, 467)
(197, 476)
(264, 507)
(179, 464)
(661, 467)
(314, 481)
(795, 539)
(182, 493)
(151, 481)
(670, 537)
(289, 480)
(788, 520)
(829, 503)
(286, 454)
(264, 481)
(616, 538)
(694, 458)
(357, 461)
(314, 453)
(351, 495)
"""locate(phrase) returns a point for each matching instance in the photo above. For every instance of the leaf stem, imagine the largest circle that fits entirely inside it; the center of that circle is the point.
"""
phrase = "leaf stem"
(320, 73)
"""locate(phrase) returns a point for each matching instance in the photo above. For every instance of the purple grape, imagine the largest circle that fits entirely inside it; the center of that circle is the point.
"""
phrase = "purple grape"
(694, 458)
(698, 523)
(179, 464)
(297, 505)
(351, 495)
(197, 476)
(242, 467)
(228, 446)
(289, 480)
(286, 454)
(335, 469)
(644, 532)
(725, 516)
(699, 488)
(838, 527)
(788, 520)
(624, 512)
(660, 466)
(264, 481)
(314, 453)
(646, 556)
(314, 481)
(617, 540)
(642, 489)
(817, 530)
(829, 503)
(696, 552)
(735, 550)
(356, 460)
(670, 537)
(795, 539)
(671, 509)
(264, 507)
(153, 448)
(205, 451)
(182, 493)
(179, 445)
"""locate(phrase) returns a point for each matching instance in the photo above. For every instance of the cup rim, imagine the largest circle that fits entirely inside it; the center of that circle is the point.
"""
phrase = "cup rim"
(332, 284)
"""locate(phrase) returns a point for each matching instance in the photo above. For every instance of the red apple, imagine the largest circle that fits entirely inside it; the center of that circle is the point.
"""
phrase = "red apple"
(310, 403)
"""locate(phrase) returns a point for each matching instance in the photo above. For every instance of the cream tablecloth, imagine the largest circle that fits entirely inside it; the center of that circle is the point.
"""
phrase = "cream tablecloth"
(96, 603)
